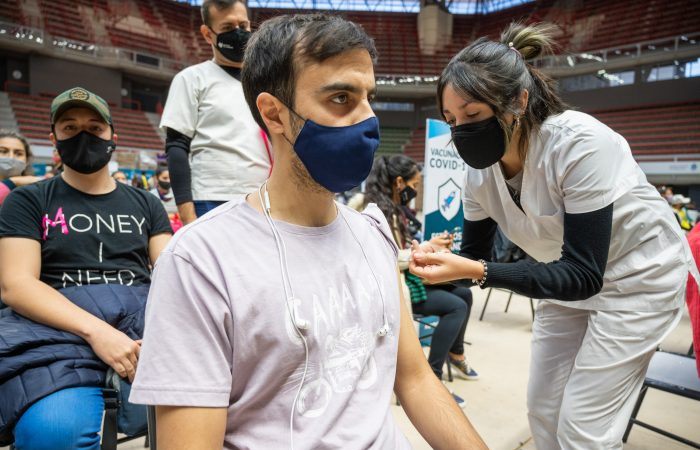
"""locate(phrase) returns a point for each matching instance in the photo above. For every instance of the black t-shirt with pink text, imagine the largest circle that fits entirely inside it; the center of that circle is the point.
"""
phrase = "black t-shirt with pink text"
(86, 239)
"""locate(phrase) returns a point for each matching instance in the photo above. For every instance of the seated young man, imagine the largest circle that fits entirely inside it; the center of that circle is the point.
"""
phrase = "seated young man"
(79, 228)
(276, 321)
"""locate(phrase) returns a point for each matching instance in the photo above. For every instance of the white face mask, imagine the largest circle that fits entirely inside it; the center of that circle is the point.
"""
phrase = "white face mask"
(11, 167)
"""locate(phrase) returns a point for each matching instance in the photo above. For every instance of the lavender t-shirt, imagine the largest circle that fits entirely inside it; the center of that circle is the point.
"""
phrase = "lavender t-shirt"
(218, 332)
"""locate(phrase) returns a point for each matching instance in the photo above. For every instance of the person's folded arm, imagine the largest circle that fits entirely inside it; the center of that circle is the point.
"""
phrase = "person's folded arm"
(23, 291)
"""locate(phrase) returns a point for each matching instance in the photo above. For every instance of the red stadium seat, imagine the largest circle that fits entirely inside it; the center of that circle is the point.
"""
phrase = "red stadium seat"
(133, 127)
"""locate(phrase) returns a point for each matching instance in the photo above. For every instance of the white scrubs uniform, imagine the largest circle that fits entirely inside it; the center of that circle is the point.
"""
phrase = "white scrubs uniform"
(589, 357)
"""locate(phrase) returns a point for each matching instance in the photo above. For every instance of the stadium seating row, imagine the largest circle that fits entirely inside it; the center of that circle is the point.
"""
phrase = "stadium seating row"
(172, 29)
(133, 127)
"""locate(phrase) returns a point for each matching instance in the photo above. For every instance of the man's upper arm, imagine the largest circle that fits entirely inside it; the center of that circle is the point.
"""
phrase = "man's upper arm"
(411, 363)
(184, 428)
(187, 352)
(156, 244)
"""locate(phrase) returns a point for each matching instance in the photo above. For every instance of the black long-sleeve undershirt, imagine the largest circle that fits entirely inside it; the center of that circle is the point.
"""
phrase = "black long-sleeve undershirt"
(577, 275)
(177, 149)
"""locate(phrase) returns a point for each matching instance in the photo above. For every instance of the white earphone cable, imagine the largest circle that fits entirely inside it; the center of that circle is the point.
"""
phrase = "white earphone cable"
(289, 294)
(385, 325)
(282, 250)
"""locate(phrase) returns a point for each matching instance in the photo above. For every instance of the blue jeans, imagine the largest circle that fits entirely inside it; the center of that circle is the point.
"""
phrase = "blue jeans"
(65, 420)
(201, 207)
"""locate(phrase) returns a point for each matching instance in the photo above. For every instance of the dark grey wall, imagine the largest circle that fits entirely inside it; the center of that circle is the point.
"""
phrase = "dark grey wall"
(10, 63)
(671, 91)
(397, 119)
(50, 75)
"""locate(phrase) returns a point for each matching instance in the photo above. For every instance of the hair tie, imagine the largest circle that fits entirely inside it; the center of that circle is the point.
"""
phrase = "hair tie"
(510, 46)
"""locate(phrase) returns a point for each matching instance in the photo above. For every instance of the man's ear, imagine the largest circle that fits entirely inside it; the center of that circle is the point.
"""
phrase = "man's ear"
(270, 110)
(52, 138)
(206, 34)
(115, 137)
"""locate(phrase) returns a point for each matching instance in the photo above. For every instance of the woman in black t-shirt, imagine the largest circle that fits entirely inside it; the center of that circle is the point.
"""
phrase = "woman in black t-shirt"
(77, 229)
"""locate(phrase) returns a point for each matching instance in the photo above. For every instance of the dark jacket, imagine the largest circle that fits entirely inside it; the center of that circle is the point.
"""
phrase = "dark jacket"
(37, 360)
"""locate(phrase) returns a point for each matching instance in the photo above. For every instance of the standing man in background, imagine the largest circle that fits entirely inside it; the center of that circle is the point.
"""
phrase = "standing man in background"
(216, 151)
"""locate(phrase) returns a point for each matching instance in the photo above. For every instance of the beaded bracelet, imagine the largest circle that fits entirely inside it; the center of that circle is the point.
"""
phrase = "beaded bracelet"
(481, 281)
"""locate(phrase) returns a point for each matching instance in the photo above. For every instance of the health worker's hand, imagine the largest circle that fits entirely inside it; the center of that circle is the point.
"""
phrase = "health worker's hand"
(440, 267)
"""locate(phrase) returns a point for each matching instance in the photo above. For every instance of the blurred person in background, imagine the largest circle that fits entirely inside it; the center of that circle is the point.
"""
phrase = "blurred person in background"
(680, 203)
(667, 193)
(15, 163)
(392, 184)
(120, 177)
(216, 152)
(57, 164)
(163, 191)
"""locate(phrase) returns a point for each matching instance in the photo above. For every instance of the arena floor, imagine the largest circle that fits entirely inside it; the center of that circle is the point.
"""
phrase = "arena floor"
(500, 352)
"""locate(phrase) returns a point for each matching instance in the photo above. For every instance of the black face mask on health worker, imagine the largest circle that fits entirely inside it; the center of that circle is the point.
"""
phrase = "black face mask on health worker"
(480, 144)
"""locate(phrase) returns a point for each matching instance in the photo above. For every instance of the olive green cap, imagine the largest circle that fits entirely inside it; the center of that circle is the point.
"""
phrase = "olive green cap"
(78, 97)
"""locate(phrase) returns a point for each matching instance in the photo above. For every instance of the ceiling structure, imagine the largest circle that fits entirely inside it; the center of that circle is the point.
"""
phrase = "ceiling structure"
(404, 6)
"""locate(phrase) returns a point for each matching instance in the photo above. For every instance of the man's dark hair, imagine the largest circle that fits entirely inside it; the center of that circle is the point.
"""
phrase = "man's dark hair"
(219, 5)
(281, 47)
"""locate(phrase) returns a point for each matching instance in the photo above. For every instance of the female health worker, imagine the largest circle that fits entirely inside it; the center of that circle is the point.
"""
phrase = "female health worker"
(610, 256)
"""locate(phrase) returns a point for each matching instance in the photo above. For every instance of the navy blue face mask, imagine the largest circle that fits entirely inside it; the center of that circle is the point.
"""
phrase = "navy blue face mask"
(337, 158)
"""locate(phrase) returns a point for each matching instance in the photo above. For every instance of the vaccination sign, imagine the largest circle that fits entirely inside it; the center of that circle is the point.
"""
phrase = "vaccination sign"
(443, 176)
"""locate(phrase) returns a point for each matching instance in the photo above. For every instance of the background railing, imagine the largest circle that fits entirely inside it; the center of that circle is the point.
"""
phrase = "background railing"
(34, 36)
(665, 49)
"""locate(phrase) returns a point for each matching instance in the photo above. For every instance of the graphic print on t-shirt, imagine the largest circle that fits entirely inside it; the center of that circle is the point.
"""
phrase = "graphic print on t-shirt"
(98, 228)
(346, 349)
(86, 239)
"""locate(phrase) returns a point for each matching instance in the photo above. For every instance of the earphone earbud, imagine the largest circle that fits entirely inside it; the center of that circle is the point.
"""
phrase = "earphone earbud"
(299, 322)
(302, 324)
(384, 330)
